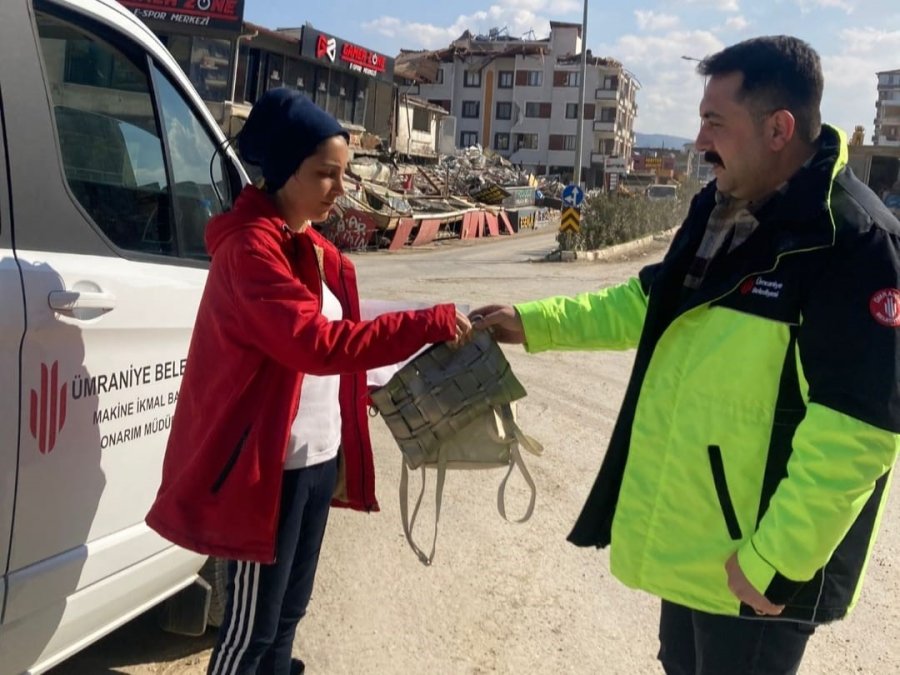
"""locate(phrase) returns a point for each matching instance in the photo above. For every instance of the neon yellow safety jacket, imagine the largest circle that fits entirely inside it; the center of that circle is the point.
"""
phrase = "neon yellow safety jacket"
(763, 411)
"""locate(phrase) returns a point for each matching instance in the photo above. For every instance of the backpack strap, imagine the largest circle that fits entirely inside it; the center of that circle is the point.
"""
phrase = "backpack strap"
(519, 437)
(409, 523)
(514, 435)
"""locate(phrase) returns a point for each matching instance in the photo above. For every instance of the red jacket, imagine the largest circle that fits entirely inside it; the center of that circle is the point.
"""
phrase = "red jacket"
(259, 328)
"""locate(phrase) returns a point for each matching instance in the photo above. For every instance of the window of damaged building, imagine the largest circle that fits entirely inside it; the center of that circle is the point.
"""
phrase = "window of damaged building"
(472, 78)
(468, 138)
(421, 119)
(471, 109)
(527, 141)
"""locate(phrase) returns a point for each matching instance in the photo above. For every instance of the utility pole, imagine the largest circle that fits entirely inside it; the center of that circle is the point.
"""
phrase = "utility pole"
(579, 133)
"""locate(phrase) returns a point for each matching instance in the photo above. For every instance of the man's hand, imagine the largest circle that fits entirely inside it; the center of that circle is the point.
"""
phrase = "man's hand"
(744, 591)
(502, 321)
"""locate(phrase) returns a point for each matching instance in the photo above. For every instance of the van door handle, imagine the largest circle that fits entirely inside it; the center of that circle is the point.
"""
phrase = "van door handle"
(69, 302)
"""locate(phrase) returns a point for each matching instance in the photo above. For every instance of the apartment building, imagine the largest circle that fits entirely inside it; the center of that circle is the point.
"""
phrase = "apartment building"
(519, 97)
(887, 109)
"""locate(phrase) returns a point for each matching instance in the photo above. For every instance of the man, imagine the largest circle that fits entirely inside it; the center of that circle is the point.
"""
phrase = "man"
(745, 475)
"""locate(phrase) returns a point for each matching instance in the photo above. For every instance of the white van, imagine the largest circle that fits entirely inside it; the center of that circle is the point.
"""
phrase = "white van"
(108, 174)
(662, 192)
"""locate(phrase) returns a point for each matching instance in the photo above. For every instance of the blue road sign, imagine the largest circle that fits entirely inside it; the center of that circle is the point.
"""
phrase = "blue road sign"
(572, 196)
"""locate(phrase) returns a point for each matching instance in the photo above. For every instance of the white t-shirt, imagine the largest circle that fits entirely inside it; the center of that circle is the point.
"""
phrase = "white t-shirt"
(316, 432)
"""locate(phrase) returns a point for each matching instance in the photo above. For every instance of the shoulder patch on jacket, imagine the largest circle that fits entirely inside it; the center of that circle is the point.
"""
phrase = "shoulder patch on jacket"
(885, 307)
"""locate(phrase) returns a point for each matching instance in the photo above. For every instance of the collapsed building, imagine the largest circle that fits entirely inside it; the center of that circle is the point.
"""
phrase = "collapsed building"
(518, 98)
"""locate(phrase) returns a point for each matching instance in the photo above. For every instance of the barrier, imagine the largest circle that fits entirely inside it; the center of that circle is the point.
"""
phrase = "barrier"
(492, 225)
(428, 230)
(401, 233)
(355, 230)
(529, 217)
(471, 225)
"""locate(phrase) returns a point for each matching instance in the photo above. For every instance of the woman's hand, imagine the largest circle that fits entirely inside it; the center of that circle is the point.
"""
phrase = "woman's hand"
(463, 330)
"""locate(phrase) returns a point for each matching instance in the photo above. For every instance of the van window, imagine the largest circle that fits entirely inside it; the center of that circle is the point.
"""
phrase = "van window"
(193, 159)
(114, 152)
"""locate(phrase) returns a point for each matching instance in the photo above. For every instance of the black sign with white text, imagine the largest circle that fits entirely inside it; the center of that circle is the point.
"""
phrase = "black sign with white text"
(338, 53)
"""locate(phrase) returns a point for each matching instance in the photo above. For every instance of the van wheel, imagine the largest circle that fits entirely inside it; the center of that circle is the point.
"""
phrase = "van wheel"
(215, 573)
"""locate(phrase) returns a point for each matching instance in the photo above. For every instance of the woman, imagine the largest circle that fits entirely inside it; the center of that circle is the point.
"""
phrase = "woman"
(270, 425)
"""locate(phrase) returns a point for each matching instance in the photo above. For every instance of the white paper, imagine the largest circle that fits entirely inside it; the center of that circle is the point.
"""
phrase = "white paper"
(369, 309)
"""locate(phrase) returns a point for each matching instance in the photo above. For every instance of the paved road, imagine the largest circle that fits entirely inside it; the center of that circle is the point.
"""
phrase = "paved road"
(500, 598)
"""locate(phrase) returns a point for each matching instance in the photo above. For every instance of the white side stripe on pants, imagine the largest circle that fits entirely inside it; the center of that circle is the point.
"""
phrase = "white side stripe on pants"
(243, 611)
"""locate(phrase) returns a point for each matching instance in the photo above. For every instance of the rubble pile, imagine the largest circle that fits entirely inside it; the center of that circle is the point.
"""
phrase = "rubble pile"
(473, 169)
(468, 173)
(471, 193)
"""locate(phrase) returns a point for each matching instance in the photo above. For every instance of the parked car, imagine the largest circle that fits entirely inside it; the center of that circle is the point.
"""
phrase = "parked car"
(662, 192)
(110, 166)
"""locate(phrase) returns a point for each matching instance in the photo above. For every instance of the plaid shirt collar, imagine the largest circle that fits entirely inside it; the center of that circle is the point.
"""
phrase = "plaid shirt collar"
(730, 224)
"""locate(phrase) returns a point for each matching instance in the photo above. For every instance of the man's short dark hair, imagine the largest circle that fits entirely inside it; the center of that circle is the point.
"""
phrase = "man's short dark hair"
(780, 73)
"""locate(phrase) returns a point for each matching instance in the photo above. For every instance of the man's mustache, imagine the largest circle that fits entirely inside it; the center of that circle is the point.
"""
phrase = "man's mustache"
(713, 158)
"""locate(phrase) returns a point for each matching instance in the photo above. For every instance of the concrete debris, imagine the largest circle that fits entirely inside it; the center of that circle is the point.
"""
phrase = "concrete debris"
(471, 173)
(471, 193)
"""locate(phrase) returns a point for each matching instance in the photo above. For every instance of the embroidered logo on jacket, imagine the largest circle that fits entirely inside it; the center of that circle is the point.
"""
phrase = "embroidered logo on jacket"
(885, 307)
(763, 287)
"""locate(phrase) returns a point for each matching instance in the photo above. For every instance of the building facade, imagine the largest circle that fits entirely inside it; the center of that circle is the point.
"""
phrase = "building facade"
(519, 98)
(232, 62)
(418, 128)
(887, 109)
(201, 40)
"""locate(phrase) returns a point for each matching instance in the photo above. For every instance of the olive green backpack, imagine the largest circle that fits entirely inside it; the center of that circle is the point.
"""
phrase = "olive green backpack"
(454, 408)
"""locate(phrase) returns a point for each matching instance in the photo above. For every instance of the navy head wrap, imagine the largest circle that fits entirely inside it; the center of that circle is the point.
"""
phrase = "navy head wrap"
(283, 129)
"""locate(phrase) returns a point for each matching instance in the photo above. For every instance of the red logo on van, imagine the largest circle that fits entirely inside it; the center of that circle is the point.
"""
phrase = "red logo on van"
(48, 408)
(885, 307)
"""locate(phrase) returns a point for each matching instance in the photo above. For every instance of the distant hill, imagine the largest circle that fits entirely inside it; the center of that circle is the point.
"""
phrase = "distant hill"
(660, 141)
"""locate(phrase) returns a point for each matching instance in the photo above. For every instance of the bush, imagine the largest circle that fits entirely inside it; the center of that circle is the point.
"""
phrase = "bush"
(614, 218)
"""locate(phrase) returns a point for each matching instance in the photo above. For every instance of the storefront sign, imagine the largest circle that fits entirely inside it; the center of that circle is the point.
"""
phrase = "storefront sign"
(615, 165)
(326, 47)
(519, 196)
(222, 14)
(371, 63)
(346, 55)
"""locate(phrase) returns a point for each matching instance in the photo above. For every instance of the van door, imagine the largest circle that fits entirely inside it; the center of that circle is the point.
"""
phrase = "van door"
(115, 175)
(12, 325)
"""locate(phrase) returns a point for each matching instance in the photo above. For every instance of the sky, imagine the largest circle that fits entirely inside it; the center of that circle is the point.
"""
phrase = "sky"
(855, 39)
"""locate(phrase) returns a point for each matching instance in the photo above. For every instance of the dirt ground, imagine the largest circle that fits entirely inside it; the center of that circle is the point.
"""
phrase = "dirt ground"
(500, 597)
